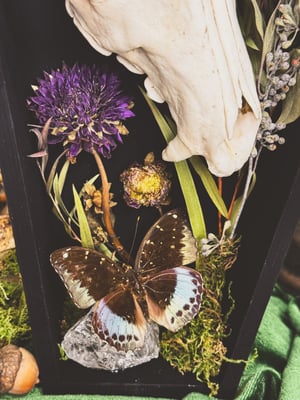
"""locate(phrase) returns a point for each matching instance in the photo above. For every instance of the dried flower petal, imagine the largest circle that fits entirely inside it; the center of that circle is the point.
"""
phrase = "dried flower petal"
(93, 197)
(146, 185)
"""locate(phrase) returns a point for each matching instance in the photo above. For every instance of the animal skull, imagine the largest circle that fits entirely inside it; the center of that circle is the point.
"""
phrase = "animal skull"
(195, 59)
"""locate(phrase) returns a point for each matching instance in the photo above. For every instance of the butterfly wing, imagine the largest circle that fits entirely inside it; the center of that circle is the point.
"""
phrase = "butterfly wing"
(174, 296)
(90, 277)
(119, 320)
(87, 274)
(168, 243)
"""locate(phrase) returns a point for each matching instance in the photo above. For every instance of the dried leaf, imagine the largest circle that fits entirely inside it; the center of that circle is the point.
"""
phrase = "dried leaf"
(38, 154)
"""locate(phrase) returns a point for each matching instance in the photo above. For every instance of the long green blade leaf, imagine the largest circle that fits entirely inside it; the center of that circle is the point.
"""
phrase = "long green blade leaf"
(207, 179)
(62, 175)
(52, 172)
(209, 184)
(85, 232)
(57, 196)
(259, 20)
(185, 178)
(190, 195)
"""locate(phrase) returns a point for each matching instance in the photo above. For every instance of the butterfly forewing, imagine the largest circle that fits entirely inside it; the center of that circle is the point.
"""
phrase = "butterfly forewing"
(174, 297)
(168, 243)
(87, 274)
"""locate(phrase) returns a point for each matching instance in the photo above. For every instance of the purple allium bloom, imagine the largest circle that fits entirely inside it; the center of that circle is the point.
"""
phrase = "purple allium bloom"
(86, 107)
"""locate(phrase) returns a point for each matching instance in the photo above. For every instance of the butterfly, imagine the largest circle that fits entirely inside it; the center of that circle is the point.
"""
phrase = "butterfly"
(158, 287)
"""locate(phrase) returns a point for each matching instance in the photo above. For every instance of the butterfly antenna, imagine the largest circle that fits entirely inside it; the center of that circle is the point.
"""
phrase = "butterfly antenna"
(134, 235)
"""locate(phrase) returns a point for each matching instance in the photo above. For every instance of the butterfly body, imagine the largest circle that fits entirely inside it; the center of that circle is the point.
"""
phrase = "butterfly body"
(158, 287)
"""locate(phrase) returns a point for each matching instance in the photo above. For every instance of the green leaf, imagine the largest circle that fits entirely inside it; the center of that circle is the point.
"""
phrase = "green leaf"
(291, 105)
(259, 20)
(252, 25)
(209, 184)
(62, 176)
(185, 178)
(269, 39)
(270, 33)
(57, 196)
(207, 179)
(52, 172)
(160, 119)
(59, 215)
(192, 202)
(85, 232)
(250, 43)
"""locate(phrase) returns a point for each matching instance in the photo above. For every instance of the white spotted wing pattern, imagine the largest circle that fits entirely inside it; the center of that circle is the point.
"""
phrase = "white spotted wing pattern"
(159, 287)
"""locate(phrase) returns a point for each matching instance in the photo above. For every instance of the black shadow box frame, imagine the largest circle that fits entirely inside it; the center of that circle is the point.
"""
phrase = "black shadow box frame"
(38, 35)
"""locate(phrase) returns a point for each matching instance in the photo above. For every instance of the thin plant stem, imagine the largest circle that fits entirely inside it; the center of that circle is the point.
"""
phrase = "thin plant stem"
(250, 173)
(220, 188)
(235, 192)
(106, 209)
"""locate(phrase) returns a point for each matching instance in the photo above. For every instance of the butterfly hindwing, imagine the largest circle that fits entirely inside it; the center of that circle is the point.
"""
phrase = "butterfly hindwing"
(174, 297)
(168, 243)
(87, 274)
(119, 320)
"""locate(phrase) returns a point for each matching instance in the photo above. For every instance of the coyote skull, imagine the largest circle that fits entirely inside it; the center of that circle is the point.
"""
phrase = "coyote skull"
(195, 59)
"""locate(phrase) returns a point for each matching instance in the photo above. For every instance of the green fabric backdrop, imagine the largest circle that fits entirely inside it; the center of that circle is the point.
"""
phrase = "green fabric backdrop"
(274, 375)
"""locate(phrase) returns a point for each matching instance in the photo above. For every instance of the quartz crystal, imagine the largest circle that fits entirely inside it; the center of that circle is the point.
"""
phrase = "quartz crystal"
(84, 346)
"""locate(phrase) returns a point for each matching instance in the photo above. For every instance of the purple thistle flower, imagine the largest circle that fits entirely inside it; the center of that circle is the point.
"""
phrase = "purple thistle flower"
(86, 107)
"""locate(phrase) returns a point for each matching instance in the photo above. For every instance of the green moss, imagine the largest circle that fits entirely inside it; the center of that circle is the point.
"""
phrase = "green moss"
(14, 322)
(198, 347)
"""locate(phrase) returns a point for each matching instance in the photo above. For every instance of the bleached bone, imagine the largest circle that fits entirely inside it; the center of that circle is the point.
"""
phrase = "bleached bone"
(195, 59)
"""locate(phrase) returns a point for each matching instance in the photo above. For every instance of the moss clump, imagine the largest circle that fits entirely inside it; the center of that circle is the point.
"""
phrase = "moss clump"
(14, 321)
(198, 347)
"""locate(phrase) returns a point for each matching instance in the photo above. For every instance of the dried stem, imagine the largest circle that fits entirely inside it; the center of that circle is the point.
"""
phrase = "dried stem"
(251, 170)
(106, 209)
(235, 192)
(220, 188)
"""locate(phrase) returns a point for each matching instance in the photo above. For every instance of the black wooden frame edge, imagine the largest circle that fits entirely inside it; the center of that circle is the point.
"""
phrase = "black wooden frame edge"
(20, 213)
(273, 262)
